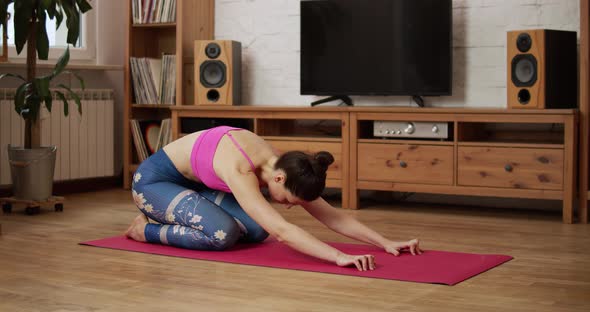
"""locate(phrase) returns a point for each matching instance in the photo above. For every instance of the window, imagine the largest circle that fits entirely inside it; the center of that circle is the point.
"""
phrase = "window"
(84, 49)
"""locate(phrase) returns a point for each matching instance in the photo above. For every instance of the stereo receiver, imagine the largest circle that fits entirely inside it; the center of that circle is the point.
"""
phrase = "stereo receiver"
(411, 129)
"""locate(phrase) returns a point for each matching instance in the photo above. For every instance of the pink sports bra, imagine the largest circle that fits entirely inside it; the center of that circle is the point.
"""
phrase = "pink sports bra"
(203, 153)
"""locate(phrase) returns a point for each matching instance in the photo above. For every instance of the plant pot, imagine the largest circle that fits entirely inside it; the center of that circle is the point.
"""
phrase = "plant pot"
(32, 172)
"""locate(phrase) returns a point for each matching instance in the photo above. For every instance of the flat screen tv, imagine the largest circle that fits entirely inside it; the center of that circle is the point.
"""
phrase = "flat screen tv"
(376, 47)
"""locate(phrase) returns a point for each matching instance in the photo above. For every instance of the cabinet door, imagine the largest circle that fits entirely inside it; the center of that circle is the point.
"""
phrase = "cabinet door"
(335, 169)
(511, 167)
(423, 164)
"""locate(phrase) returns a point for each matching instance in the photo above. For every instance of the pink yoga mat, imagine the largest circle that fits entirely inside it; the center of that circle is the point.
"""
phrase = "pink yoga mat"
(440, 267)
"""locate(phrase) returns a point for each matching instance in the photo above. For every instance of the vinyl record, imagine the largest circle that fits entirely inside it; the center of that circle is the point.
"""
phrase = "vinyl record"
(150, 135)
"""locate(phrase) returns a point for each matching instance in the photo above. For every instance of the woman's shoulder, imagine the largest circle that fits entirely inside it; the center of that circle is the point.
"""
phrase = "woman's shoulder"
(254, 147)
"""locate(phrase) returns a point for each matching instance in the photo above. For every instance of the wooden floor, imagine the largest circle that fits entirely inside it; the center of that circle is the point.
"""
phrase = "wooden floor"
(42, 267)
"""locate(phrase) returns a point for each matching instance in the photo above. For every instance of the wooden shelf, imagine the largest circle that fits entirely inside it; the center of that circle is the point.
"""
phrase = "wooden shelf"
(300, 139)
(397, 141)
(156, 106)
(379, 110)
(466, 112)
(512, 144)
(154, 25)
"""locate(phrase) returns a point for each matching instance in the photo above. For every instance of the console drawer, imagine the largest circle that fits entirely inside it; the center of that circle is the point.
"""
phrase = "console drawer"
(524, 168)
(424, 164)
(335, 169)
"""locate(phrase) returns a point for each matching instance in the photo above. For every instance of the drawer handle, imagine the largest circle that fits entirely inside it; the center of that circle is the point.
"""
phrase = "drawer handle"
(508, 168)
(403, 164)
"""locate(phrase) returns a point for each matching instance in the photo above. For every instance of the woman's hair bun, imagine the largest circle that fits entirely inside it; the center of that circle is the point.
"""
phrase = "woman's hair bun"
(324, 159)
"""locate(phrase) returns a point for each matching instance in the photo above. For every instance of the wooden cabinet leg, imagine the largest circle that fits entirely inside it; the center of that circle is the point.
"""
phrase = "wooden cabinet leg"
(568, 210)
(345, 198)
(584, 210)
(569, 181)
(353, 199)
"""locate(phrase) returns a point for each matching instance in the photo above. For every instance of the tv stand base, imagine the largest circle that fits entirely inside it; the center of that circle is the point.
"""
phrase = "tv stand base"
(419, 100)
(344, 98)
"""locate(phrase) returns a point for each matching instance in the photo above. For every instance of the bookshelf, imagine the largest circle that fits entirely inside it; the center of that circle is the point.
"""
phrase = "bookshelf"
(194, 21)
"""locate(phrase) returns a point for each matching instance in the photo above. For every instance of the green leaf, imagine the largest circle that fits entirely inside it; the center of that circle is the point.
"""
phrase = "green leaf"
(62, 62)
(13, 75)
(84, 6)
(62, 97)
(22, 20)
(59, 17)
(51, 9)
(42, 39)
(73, 24)
(80, 80)
(24, 113)
(66, 109)
(48, 102)
(42, 86)
(32, 103)
(45, 4)
(19, 97)
(4, 9)
(74, 95)
(72, 21)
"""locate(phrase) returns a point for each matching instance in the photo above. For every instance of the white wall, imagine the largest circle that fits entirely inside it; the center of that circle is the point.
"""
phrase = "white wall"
(110, 50)
(269, 32)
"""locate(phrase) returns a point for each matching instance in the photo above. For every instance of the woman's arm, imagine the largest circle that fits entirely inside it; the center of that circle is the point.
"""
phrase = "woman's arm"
(245, 188)
(348, 226)
(342, 223)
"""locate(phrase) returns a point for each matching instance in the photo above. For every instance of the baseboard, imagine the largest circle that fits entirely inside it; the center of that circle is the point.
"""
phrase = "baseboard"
(76, 186)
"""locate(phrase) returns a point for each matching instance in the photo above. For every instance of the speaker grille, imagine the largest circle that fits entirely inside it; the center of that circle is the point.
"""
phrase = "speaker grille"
(212, 50)
(213, 74)
(524, 42)
(524, 70)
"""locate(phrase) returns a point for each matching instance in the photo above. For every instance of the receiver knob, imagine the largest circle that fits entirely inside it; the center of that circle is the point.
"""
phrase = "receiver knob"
(435, 129)
(410, 128)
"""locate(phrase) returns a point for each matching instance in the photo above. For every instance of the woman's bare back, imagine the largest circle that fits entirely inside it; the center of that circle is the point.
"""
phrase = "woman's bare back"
(228, 159)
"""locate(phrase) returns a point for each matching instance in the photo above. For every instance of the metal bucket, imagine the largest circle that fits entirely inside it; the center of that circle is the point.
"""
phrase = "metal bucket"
(32, 172)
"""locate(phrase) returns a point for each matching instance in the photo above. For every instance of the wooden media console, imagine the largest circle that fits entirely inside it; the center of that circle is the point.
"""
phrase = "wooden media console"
(488, 152)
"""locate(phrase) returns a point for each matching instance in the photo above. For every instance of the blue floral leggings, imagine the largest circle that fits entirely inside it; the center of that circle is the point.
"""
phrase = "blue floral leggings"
(190, 214)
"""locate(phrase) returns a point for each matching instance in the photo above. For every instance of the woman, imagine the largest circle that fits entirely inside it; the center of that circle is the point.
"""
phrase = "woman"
(204, 190)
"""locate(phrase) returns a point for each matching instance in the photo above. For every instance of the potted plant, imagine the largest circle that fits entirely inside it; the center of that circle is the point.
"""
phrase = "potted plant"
(32, 166)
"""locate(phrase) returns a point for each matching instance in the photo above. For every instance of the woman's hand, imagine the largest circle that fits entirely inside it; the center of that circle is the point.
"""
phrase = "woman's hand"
(396, 247)
(362, 262)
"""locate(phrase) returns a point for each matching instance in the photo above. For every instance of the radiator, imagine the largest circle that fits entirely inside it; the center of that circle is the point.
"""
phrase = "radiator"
(85, 142)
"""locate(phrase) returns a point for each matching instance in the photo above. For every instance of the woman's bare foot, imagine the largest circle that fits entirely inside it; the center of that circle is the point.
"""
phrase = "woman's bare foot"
(136, 230)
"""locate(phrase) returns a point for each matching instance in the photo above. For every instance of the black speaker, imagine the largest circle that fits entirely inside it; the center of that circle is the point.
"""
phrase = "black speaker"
(218, 72)
(542, 69)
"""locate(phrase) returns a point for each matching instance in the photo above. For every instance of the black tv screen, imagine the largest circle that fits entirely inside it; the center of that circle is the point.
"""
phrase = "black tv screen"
(376, 47)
